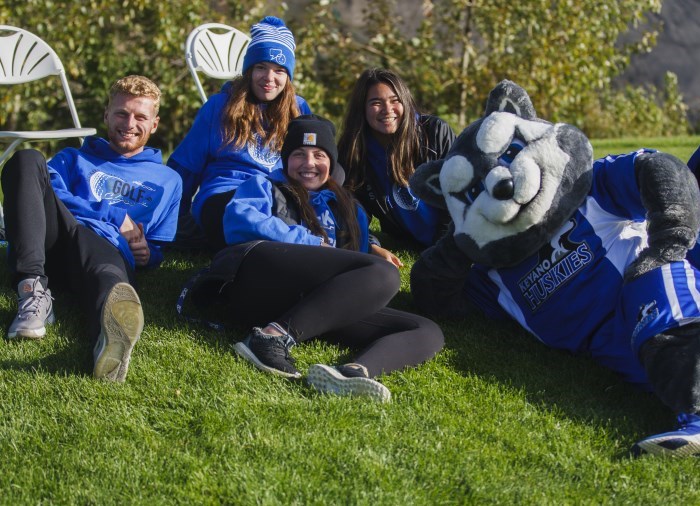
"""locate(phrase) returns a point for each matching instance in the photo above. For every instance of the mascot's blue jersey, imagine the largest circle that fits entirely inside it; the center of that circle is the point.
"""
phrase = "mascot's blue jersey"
(577, 278)
(694, 163)
(99, 187)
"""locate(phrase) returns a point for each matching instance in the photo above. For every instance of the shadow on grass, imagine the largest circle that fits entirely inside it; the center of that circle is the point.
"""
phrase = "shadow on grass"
(498, 352)
(65, 350)
(67, 360)
(504, 353)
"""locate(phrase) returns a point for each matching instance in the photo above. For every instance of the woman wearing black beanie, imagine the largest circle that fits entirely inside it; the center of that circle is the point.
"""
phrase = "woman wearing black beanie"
(298, 268)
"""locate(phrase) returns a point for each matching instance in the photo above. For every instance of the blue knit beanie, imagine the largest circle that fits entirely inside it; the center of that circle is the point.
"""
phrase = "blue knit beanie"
(271, 41)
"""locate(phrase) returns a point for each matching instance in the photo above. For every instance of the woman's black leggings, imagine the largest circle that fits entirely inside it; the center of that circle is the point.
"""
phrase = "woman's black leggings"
(212, 219)
(335, 294)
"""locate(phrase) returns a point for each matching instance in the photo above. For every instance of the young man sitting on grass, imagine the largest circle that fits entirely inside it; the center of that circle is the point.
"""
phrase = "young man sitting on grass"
(86, 219)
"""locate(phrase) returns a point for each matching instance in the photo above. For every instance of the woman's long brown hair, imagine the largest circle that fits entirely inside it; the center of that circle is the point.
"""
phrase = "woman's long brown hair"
(349, 235)
(243, 117)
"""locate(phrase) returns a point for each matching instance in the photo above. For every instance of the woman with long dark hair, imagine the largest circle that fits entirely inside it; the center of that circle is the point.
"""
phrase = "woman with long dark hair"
(384, 139)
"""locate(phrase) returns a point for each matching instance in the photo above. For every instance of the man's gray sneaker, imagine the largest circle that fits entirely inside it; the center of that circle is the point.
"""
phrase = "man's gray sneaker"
(352, 380)
(35, 310)
(122, 323)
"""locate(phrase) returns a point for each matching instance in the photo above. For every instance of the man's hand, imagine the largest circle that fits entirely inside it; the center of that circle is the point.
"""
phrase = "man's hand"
(386, 255)
(129, 230)
(139, 248)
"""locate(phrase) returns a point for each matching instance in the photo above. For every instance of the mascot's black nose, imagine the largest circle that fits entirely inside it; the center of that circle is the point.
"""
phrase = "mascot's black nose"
(503, 190)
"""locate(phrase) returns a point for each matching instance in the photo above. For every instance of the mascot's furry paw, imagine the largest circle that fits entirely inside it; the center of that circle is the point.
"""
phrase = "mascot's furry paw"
(436, 296)
(671, 197)
(437, 280)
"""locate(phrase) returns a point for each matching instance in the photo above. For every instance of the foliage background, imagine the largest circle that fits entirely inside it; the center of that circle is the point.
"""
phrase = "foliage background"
(460, 49)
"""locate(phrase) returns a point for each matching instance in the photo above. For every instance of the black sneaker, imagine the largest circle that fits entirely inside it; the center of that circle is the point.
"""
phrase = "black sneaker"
(268, 353)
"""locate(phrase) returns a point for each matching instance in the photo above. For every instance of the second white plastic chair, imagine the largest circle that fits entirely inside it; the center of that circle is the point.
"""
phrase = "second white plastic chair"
(217, 50)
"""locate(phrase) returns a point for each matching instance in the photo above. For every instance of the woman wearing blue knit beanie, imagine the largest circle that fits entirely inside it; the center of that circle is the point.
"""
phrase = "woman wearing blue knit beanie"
(238, 133)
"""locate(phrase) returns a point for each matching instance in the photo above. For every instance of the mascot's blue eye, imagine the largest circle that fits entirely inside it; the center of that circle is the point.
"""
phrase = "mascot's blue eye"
(515, 147)
(474, 192)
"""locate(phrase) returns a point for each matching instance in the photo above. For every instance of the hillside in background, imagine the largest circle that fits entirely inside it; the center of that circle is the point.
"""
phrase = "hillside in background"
(677, 49)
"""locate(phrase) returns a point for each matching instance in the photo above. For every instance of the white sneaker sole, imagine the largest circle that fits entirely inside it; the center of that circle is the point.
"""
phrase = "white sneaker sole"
(122, 324)
(248, 355)
(34, 334)
(672, 446)
(328, 380)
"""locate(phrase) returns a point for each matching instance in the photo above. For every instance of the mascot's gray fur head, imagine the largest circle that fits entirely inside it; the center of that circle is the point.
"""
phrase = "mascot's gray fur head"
(510, 180)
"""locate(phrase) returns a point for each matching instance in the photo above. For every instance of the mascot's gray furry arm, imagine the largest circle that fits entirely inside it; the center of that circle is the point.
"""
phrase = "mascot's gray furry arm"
(670, 195)
(437, 279)
(594, 257)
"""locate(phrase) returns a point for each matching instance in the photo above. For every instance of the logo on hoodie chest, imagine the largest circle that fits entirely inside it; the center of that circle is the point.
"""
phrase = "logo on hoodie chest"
(261, 154)
(116, 190)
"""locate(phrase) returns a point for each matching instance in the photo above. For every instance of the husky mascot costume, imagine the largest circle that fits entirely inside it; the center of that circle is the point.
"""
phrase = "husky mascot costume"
(591, 257)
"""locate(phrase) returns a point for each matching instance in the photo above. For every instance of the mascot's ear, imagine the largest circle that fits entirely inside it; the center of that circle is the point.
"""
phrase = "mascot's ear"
(425, 183)
(509, 97)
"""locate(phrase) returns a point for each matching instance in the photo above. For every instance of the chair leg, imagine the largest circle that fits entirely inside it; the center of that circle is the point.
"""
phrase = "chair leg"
(8, 152)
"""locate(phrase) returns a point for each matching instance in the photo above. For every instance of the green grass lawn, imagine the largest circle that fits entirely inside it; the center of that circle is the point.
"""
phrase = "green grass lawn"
(682, 146)
(495, 418)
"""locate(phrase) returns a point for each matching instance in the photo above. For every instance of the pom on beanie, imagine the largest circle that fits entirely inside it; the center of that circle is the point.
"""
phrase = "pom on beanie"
(271, 41)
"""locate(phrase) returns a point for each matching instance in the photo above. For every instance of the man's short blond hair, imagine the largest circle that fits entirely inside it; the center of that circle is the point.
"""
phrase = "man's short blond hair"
(137, 86)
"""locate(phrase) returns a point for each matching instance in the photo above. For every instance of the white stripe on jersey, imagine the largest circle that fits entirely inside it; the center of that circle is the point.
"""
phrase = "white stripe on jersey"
(690, 275)
(671, 294)
(622, 239)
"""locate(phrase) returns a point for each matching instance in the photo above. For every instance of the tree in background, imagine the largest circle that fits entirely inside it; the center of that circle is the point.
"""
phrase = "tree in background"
(565, 53)
(99, 41)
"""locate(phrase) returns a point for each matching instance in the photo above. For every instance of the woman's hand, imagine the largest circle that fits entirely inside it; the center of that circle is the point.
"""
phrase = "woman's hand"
(386, 255)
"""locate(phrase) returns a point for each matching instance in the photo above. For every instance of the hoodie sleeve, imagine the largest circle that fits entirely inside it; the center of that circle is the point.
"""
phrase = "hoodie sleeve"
(440, 137)
(162, 226)
(193, 153)
(303, 106)
(156, 257)
(366, 239)
(249, 217)
(190, 183)
(61, 172)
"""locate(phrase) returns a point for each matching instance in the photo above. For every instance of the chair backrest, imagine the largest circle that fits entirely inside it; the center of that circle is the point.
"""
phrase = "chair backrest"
(217, 50)
(24, 57)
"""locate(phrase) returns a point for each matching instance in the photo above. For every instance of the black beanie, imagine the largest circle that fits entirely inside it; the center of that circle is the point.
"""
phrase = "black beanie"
(311, 130)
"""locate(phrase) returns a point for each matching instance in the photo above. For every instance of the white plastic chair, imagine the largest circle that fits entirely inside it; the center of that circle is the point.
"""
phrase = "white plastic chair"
(217, 50)
(24, 57)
